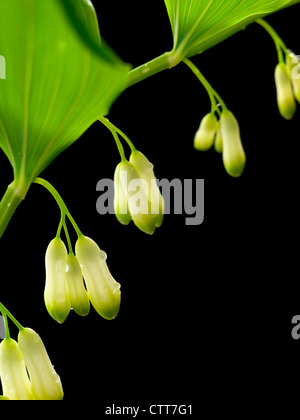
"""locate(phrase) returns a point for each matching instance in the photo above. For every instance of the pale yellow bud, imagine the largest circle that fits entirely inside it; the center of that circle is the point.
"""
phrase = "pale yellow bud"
(45, 382)
(218, 140)
(285, 96)
(146, 172)
(204, 137)
(78, 295)
(103, 290)
(120, 199)
(56, 293)
(234, 157)
(137, 193)
(13, 374)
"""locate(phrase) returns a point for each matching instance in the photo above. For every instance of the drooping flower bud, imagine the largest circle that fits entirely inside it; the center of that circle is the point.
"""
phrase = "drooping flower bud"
(103, 291)
(45, 382)
(293, 68)
(218, 140)
(234, 157)
(136, 191)
(120, 199)
(56, 293)
(285, 97)
(204, 137)
(146, 172)
(13, 374)
(78, 295)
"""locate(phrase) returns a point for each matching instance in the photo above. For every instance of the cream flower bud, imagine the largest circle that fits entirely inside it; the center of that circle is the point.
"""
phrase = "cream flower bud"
(204, 137)
(293, 68)
(136, 190)
(285, 97)
(45, 382)
(234, 157)
(103, 290)
(56, 293)
(146, 172)
(120, 199)
(78, 295)
(218, 140)
(14, 377)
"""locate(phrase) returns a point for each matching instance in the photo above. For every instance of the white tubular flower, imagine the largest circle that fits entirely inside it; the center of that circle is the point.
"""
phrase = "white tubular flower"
(45, 382)
(56, 293)
(293, 68)
(146, 172)
(120, 199)
(78, 295)
(204, 137)
(137, 194)
(234, 157)
(13, 374)
(103, 291)
(285, 97)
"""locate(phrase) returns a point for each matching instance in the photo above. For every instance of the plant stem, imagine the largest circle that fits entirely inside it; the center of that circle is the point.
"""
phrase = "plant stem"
(210, 90)
(13, 196)
(279, 44)
(59, 201)
(115, 130)
(5, 312)
(158, 64)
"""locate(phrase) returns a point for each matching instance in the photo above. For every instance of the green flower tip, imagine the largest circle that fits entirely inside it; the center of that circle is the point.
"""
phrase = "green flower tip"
(137, 196)
(204, 137)
(103, 291)
(285, 95)
(234, 157)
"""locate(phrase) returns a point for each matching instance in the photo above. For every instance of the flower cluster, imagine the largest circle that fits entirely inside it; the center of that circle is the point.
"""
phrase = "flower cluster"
(137, 196)
(287, 80)
(224, 134)
(66, 275)
(26, 371)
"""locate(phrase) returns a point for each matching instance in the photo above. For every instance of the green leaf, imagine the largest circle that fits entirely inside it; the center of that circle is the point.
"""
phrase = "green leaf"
(199, 25)
(60, 77)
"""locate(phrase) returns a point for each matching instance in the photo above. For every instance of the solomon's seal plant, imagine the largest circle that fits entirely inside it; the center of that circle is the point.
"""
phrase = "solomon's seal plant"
(63, 79)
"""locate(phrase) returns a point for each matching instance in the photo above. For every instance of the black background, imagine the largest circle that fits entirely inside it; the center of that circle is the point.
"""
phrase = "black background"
(203, 305)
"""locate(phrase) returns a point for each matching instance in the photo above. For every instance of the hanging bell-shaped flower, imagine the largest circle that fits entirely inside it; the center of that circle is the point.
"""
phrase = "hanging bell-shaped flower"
(120, 198)
(234, 157)
(56, 292)
(136, 194)
(204, 137)
(285, 96)
(78, 295)
(45, 382)
(146, 172)
(13, 374)
(103, 291)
